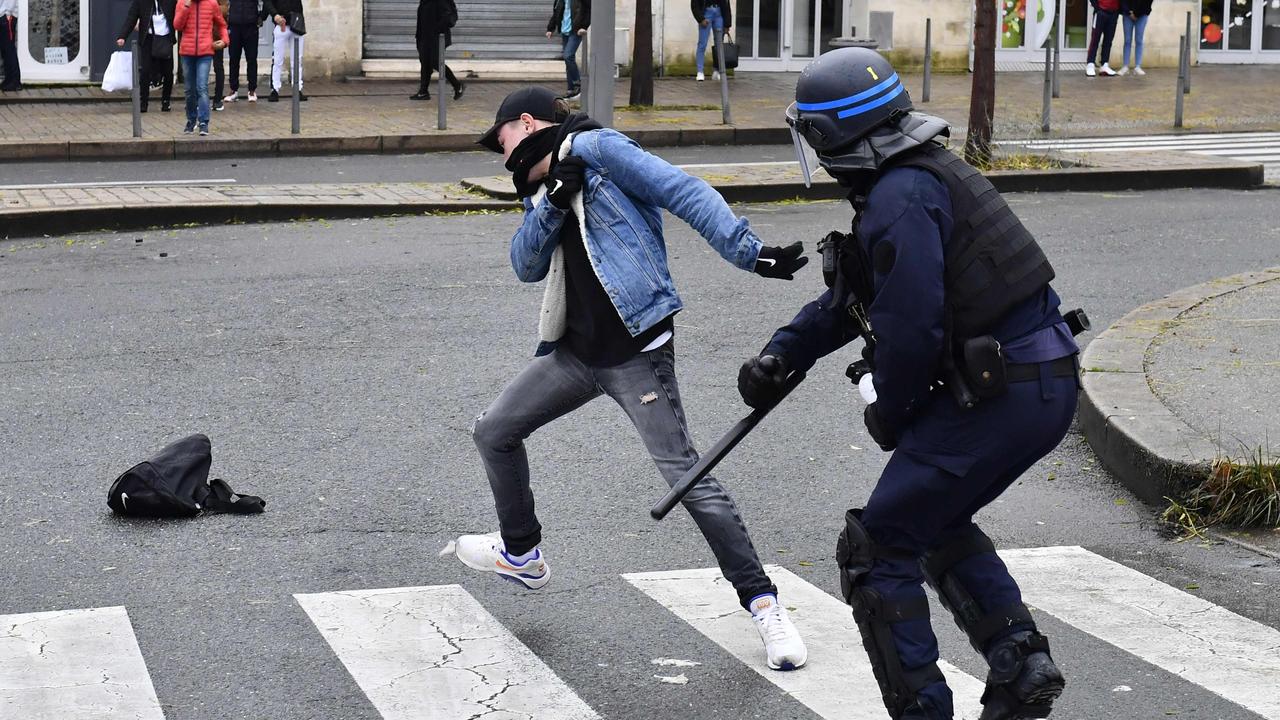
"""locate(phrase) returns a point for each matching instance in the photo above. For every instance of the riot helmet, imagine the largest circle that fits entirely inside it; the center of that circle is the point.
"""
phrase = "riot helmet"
(852, 112)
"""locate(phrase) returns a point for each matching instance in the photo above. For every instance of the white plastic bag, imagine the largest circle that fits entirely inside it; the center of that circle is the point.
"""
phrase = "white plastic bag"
(119, 74)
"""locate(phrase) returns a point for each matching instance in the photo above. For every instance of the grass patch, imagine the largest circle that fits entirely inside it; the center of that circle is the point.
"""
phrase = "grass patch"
(1022, 161)
(1241, 494)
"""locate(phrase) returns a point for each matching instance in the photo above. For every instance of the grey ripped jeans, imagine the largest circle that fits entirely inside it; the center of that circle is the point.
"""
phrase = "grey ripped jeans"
(645, 387)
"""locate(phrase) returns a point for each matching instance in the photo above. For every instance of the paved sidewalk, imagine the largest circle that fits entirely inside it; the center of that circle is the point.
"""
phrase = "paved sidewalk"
(377, 116)
(1184, 380)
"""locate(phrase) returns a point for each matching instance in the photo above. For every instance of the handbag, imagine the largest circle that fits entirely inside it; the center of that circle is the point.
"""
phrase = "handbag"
(297, 23)
(730, 53)
(162, 48)
(175, 483)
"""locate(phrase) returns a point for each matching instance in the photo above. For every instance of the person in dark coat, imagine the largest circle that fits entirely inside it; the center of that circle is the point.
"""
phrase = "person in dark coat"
(153, 19)
(435, 17)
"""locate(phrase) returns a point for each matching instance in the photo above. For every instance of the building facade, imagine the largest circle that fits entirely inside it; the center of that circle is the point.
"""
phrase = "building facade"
(72, 40)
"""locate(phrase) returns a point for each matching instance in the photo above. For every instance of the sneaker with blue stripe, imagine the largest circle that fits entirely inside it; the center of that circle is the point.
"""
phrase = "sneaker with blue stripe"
(487, 554)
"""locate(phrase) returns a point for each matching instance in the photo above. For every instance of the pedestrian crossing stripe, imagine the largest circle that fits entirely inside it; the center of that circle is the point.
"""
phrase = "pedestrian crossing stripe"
(74, 665)
(1263, 147)
(434, 652)
(836, 683)
(1206, 644)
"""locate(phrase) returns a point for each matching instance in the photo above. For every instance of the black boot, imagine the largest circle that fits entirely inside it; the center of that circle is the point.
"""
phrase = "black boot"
(1023, 681)
(458, 89)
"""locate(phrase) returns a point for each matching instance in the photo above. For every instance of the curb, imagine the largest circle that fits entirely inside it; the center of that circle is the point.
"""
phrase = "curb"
(1149, 449)
(55, 222)
(62, 220)
(176, 148)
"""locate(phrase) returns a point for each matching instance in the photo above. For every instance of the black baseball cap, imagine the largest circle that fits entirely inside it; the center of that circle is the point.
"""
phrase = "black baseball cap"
(539, 102)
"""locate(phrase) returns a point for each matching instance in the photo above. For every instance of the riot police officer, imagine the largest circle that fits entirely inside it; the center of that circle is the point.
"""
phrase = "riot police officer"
(974, 379)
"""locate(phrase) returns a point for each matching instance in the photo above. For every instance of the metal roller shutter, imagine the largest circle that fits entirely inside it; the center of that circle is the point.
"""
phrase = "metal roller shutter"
(487, 30)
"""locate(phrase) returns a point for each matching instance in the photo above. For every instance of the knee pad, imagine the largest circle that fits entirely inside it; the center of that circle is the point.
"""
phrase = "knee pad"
(875, 616)
(978, 625)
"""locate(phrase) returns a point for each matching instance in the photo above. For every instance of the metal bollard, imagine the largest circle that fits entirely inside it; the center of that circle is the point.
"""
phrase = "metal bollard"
(928, 58)
(1057, 62)
(1182, 58)
(585, 90)
(295, 78)
(441, 122)
(1048, 90)
(725, 116)
(136, 93)
(1186, 83)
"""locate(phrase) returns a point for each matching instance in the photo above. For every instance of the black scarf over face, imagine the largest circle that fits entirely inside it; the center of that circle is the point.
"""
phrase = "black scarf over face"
(528, 153)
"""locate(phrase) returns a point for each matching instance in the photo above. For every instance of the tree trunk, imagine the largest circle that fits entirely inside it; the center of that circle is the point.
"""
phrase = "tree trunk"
(977, 144)
(642, 56)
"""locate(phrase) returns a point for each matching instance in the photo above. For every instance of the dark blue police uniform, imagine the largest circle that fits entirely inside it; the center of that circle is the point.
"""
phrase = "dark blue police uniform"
(949, 462)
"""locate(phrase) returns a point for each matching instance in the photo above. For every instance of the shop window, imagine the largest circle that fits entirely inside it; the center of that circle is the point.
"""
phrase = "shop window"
(53, 28)
(1211, 24)
(1013, 21)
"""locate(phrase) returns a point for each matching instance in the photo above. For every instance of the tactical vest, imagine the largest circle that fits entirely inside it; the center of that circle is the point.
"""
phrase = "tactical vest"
(992, 262)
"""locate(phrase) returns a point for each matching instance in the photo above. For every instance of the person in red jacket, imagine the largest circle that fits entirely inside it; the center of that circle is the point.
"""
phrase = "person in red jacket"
(1105, 15)
(199, 22)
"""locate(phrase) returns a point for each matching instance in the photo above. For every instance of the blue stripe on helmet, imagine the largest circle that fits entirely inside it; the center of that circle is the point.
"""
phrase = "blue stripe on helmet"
(842, 102)
(859, 109)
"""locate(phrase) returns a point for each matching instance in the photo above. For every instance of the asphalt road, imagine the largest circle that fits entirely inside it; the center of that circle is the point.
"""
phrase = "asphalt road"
(337, 367)
(429, 167)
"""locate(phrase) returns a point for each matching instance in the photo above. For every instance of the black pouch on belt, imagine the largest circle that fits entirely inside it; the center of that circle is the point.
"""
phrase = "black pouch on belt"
(984, 367)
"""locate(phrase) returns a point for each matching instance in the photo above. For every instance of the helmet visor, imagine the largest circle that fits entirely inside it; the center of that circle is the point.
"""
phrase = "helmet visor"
(806, 156)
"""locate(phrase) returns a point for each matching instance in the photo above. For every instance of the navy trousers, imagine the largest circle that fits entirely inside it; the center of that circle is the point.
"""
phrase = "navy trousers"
(949, 464)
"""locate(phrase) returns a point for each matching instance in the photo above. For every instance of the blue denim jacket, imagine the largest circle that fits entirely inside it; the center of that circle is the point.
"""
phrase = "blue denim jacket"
(625, 191)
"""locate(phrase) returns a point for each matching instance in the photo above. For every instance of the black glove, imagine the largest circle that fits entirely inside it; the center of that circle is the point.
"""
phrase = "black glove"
(761, 379)
(876, 429)
(780, 262)
(565, 181)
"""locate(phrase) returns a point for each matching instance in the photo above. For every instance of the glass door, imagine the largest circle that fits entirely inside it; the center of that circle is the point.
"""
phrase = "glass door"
(1240, 31)
(1020, 22)
(782, 34)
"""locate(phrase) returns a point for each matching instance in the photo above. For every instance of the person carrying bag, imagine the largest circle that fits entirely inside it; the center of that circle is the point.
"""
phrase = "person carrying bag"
(154, 21)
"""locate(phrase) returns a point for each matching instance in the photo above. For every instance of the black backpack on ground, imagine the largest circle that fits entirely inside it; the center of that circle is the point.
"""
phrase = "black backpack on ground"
(175, 483)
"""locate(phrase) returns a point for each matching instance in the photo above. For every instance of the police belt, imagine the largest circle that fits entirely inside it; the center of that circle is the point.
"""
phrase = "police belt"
(1026, 372)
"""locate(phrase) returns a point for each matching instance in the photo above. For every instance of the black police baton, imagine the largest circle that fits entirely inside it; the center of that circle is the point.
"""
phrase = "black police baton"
(717, 452)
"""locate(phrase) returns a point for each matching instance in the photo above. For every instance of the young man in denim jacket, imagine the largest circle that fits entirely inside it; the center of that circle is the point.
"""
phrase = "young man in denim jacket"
(594, 232)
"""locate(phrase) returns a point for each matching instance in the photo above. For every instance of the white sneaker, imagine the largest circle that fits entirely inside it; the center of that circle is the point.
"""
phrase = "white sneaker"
(1137, 70)
(782, 643)
(701, 77)
(715, 74)
(1090, 71)
(1106, 70)
(1124, 70)
(253, 96)
(230, 98)
(487, 554)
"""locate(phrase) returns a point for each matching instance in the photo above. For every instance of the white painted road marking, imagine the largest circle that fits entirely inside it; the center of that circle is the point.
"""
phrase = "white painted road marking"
(1203, 643)
(836, 683)
(74, 665)
(434, 652)
(1263, 147)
